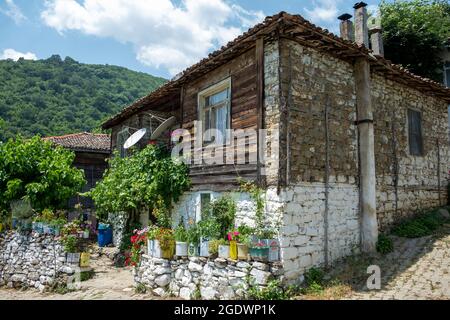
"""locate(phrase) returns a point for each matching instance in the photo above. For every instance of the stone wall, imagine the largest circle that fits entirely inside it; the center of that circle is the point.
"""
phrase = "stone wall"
(32, 261)
(406, 183)
(210, 279)
(302, 234)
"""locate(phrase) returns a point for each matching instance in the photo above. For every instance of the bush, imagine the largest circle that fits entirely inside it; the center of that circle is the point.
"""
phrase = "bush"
(273, 291)
(384, 244)
(314, 276)
(420, 226)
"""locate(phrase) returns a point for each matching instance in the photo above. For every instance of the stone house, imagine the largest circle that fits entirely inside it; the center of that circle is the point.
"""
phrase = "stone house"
(91, 152)
(353, 143)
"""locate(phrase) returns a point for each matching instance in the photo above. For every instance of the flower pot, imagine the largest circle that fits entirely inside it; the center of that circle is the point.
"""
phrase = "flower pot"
(181, 249)
(204, 249)
(193, 250)
(85, 259)
(156, 252)
(224, 252)
(242, 251)
(73, 258)
(86, 234)
(1, 227)
(168, 250)
(57, 232)
(259, 254)
(233, 250)
(150, 247)
(46, 229)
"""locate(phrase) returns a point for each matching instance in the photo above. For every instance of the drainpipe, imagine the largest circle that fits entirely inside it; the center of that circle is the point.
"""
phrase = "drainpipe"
(369, 224)
(346, 27)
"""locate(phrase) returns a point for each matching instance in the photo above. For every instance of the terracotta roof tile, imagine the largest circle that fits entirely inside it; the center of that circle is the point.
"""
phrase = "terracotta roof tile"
(294, 26)
(84, 141)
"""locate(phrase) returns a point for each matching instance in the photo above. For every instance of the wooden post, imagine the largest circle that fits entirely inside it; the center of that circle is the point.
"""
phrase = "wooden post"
(259, 52)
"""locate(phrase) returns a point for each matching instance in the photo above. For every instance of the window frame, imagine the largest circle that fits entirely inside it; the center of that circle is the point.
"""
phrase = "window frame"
(201, 103)
(421, 152)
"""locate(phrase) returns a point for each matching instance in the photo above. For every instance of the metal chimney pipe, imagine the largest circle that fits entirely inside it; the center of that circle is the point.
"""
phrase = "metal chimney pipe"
(346, 27)
(361, 29)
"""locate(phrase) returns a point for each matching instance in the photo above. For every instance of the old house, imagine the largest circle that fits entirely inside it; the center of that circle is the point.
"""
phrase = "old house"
(352, 143)
(91, 152)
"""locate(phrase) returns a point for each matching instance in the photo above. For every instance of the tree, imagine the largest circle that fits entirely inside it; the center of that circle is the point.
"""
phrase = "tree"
(414, 34)
(37, 171)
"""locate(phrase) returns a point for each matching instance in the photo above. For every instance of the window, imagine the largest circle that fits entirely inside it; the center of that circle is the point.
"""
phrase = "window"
(214, 109)
(415, 133)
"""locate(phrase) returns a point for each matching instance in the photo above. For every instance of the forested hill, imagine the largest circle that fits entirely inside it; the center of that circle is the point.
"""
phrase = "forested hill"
(55, 96)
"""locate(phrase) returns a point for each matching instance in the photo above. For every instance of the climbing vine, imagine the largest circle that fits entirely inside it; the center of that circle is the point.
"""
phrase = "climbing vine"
(149, 179)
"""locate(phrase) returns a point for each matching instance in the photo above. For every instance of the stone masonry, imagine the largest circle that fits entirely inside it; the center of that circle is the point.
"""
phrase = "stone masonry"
(211, 279)
(32, 260)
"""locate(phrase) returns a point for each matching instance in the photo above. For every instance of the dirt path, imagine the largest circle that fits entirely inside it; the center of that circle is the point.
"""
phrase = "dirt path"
(108, 283)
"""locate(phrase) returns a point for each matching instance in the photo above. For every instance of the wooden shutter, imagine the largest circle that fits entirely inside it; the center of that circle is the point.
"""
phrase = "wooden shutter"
(415, 133)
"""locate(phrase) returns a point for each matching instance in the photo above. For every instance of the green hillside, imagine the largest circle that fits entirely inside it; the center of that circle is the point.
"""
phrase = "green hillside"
(55, 96)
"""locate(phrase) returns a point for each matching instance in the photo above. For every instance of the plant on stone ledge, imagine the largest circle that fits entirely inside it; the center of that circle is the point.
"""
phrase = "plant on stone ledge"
(273, 291)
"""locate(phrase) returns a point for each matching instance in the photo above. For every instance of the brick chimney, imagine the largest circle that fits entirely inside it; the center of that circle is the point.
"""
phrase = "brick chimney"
(346, 27)
(361, 29)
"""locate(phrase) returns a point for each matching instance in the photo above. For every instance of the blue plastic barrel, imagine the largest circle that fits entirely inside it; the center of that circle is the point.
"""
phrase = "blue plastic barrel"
(104, 235)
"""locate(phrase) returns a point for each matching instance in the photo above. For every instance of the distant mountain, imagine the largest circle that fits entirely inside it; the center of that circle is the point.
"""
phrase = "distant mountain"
(55, 96)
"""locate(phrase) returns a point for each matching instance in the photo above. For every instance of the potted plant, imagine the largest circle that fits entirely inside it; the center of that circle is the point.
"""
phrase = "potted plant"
(85, 259)
(181, 238)
(193, 237)
(209, 230)
(70, 243)
(244, 241)
(259, 251)
(151, 237)
(232, 239)
(267, 236)
(224, 249)
(165, 243)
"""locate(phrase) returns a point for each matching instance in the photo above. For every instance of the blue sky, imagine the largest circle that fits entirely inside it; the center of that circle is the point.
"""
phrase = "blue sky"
(160, 37)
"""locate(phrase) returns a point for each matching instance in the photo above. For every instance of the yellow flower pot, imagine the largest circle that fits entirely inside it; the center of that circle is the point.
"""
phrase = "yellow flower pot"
(85, 260)
(233, 250)
(242, 251)
(168, 251)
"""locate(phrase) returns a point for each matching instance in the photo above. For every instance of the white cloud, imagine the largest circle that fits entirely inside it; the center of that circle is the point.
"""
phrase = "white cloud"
(165, 35)
(323, 11)
(13, 11)
(16, 55)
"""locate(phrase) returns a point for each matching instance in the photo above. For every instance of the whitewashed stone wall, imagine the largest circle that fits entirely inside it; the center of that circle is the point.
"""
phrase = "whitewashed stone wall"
(211, 279)
(302, 234)
(32, 260)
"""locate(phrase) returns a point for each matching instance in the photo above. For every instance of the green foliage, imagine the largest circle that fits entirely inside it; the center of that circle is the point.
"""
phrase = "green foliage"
(70, 243)
(54, 96)
(420, 226)
(213, 246)
(385, 244)
(193, 235)
(314, 275)
(181, 234)
(38, 172)
(245, 234)
(149, 179)
(273, 291)
(414, 34)
(140, 289)
(222, 213)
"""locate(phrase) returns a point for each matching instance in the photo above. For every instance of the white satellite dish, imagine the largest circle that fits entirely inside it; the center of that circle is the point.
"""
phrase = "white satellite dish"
(163, 127)
(135, 138)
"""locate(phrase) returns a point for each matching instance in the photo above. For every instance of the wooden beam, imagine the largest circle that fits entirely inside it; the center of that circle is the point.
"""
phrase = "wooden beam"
(259, 52)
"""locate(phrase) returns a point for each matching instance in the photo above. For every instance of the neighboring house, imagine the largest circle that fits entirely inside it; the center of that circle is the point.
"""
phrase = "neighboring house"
(91, 152)
(361, 142)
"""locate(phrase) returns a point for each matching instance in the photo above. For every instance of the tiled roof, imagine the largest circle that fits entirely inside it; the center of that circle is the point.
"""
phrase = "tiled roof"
(297, 28)
(84, 141)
